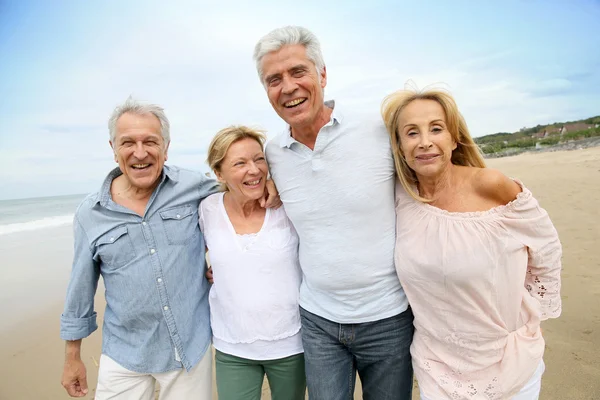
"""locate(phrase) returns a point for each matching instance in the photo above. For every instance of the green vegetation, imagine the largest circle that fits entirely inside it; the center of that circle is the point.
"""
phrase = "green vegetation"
(550, 141)
(545, 135)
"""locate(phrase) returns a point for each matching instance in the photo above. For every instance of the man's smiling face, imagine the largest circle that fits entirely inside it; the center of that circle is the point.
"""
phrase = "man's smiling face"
(140, 149)
(294, 86)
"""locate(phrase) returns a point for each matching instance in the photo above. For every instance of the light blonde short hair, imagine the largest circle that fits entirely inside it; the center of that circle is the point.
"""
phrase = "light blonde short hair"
(220, 144)
(467, 152)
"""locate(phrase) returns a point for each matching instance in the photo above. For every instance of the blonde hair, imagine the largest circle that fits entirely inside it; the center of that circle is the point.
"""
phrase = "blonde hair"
(467, 153)
(220, 144)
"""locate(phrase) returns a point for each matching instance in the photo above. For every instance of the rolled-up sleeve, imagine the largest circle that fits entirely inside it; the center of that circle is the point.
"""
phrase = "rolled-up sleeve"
(79, 318)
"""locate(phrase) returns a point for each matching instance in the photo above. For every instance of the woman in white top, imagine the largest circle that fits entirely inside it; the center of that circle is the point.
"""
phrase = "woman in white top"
(477, 256)
(254, 258)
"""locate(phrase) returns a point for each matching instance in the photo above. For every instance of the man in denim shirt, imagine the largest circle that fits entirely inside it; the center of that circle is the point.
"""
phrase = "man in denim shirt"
(140, 232)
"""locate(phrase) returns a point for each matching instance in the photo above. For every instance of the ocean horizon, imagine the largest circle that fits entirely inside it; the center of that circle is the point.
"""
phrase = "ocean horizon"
(34, 213)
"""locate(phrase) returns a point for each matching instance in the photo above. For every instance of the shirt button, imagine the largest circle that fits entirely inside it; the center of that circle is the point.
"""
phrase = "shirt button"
(144, 223)
(178, 216)
(159, 280)
(112, 239)
(165, 308)
(152, 251)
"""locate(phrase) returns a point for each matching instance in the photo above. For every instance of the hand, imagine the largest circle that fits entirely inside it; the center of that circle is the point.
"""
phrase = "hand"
(209, 275)
(271, 197)
(74, 378)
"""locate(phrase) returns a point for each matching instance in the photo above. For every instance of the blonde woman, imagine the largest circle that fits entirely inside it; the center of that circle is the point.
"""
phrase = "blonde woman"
(478, 257)
(254, 257)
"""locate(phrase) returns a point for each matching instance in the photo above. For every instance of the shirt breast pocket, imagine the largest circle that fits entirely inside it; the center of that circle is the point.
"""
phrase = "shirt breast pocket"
(180, 224)
(115, 248)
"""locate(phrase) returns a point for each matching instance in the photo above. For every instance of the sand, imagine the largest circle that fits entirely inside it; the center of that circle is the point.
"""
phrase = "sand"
(35, 275)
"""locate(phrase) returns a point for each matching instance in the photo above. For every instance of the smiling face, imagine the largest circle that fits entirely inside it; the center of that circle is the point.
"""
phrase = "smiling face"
(425, 141)
(140, 149)
(294, 86)
(244, 169)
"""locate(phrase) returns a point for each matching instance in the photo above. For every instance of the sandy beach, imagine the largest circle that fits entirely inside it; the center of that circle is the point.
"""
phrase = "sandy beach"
(36, 267)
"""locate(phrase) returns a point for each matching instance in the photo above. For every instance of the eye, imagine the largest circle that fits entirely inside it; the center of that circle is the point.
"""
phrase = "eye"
(127, 143)
(238, 163)
(412, 133)
(298, 73)
(274, 82)
(260, 159)
(437, 129)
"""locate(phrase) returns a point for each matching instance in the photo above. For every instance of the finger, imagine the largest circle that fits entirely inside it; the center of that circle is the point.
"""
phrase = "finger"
(73, 390)
(83, 384)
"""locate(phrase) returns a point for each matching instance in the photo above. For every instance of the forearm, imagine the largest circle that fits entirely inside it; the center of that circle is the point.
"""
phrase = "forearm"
(73, 350)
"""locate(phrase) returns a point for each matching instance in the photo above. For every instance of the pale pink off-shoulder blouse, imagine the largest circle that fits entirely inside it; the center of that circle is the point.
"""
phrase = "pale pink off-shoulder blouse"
(479, 283)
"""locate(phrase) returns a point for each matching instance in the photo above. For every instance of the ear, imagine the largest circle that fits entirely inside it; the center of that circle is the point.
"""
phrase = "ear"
(114, 151)
(219, 176)
(454, 144)
(323, 77)
(167, 151)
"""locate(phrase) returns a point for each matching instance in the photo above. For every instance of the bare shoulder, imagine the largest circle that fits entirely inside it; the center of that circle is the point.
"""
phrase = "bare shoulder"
(494, 186)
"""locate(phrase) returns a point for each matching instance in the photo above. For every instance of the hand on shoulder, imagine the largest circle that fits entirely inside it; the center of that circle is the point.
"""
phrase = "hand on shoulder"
(494, 186)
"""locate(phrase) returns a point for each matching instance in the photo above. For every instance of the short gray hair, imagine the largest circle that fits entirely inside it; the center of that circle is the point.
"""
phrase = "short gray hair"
(289, 35)
(136, 107)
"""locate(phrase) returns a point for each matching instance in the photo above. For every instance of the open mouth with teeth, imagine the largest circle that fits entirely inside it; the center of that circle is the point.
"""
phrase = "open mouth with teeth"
(140, 166)
(253, 184)
(294, 103)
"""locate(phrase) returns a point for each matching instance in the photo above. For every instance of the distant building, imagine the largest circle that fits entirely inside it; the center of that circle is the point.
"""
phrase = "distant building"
(575, 127)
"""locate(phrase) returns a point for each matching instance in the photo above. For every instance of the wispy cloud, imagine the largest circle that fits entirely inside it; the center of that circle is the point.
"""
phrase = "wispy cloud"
(71, 63)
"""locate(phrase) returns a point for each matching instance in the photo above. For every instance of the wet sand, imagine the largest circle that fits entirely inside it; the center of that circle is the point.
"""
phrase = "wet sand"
(36, 266)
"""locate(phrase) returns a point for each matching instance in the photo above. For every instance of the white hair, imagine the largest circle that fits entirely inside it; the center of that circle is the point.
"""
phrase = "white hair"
(133, 106)
(289, 35)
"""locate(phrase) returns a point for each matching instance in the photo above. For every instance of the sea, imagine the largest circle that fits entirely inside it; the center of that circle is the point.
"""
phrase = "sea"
(37, 213)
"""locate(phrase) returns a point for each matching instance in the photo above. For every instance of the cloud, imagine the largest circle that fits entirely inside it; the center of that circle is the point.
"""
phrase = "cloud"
(195, 59)
(550, 87)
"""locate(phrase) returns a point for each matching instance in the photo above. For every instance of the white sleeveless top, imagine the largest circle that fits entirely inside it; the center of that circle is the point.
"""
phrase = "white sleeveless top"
(257, 279)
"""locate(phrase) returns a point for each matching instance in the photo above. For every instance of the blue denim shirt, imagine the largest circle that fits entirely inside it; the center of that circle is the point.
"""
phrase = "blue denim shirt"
(157, 317)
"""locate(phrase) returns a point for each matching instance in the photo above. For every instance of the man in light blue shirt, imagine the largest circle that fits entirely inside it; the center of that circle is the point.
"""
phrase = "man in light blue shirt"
(335, 175)
(140, 233)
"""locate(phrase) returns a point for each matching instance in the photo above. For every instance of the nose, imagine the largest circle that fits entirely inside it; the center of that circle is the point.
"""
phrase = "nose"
(425, 141)
(288, 85)
(140, 151)
(253, 168)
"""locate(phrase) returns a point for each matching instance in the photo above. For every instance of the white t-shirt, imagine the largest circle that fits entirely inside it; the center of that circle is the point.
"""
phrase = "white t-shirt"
(254, 301)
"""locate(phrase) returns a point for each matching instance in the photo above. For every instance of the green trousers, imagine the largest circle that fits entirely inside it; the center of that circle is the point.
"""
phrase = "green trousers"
(241, 379)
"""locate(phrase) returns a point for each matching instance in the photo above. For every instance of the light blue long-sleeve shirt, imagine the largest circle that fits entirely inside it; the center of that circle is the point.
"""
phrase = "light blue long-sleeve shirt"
(157, 315)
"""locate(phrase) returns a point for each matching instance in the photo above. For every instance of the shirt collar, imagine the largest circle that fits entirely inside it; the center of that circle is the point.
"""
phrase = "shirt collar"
(336, 118)
(104, 196)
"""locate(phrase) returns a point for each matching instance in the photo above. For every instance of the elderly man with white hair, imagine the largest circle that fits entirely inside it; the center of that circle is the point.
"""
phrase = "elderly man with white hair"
(140, 233)
(334, 170)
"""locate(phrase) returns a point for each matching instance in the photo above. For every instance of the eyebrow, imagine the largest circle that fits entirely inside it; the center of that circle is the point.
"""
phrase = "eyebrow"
(269, 77)
(432, 122)
(151, 137)
(298, 67)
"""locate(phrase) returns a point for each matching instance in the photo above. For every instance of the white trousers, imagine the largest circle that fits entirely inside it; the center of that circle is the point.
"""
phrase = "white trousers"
(118, 383)
(531, 390)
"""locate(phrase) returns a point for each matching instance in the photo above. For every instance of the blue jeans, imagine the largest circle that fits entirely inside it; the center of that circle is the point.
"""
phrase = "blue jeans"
(379, 351)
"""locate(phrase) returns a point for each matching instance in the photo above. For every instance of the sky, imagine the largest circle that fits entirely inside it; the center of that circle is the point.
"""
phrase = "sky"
(65, 65)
